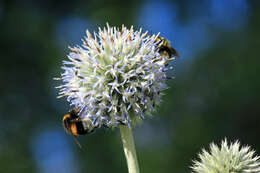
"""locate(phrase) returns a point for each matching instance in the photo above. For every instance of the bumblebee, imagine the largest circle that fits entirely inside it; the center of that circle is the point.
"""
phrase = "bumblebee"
(75, 125)
(165, 48)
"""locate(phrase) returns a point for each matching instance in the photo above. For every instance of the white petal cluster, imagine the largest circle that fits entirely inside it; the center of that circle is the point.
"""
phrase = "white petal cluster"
(227, 159)
(116, 77)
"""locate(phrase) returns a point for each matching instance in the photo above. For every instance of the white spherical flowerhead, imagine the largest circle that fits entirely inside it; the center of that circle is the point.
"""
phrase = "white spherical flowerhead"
(227, 159)
(117, 76)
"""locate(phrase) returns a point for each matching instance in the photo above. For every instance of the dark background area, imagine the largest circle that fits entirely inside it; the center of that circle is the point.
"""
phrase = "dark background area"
(215, 93)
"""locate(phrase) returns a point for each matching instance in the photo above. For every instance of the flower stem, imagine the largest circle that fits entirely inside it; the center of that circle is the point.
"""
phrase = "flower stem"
(129, 149)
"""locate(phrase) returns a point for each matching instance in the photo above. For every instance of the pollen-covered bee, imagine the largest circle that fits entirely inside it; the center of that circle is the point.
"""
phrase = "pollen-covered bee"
(165, 48)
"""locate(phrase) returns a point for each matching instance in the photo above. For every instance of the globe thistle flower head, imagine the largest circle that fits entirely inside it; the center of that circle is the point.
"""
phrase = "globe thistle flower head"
(115, 77)
(227, 159)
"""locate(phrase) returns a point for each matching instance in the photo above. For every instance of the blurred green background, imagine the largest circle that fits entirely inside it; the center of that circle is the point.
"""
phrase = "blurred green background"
(215, 93)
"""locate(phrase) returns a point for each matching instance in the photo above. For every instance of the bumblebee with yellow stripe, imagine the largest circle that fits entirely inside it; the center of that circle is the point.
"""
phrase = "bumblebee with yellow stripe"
(165, 48)
(76, 126)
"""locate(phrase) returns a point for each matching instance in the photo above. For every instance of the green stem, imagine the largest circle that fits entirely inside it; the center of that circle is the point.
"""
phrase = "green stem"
(129, 149)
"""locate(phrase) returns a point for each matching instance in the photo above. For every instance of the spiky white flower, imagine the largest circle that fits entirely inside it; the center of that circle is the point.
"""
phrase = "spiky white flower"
(116, 77)
(227, 159)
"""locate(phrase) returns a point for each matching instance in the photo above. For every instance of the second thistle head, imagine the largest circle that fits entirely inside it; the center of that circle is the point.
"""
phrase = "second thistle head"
(117, 76)
(227, 158)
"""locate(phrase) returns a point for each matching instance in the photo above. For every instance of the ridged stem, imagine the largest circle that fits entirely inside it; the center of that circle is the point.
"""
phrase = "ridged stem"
(129, 149)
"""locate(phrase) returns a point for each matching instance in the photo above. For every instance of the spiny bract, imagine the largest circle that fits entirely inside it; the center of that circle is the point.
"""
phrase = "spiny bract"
(116, 77)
